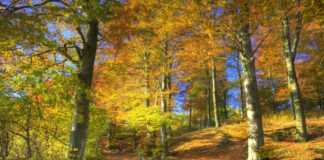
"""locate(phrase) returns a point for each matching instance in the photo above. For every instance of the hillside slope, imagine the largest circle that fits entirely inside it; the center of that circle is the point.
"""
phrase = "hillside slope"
(230, 142)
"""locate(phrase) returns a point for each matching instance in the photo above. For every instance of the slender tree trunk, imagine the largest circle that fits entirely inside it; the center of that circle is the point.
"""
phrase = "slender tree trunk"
(207, 92)
(241, 88)
(134, 140)
(28, 146)
(292, 105)
(290, 54)
(224, 105)
(255, 138)
(190, 110)
(163, 111)
(273, 89)
(296, 101)
(80, 118)
(4, 139)
(169, 84)
(147, 95)
(216, 114)
(199, 123)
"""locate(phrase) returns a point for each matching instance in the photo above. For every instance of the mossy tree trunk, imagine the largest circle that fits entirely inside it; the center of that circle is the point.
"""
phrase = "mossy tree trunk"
(255, 138)
(80, 118)
(290, 51)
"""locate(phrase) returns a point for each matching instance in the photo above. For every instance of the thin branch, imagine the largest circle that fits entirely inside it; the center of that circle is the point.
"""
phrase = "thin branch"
(14, 9)
(297, 32)
(232, 46)
(82, 36)
(63, 51)
(261, 42)
(79, 51)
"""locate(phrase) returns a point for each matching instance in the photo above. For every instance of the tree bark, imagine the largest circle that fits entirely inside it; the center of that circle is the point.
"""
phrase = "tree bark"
(273, 89)
(255, 138)
(207, 92)
(169, 84)
(163, 111)
(214, 80)
(290, 51)
(190, 110)
(224, 106)
(134, 140)
(80, 118)
(296, 101)
(147, 95)
(27, 139)
(241, 88)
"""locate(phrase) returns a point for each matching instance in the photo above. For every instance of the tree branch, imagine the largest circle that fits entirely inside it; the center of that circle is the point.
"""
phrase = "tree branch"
(297, 32)
(82, 36)
(261, 42)
(63, 51)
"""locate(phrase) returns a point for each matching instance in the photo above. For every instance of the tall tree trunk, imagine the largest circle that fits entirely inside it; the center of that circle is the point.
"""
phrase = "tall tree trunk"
(224, 106)
(199, 123)
(296, 101)
(134, 140)
(241, 87)
(163, 111)
(147, 95)
(216, 114)
(80, 118)
(255, 138)
(207, 92)
(273, 89)
(27, 139)
(290, 54)
(4, 139)
(190, 110)
(169, 84)
(292, 105)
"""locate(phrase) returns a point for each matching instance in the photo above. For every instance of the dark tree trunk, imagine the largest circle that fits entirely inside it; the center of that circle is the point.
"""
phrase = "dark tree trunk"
(147, 94)
(207, 92)
(80, 118)
(273, 89)
(224, 105)
(134, 140)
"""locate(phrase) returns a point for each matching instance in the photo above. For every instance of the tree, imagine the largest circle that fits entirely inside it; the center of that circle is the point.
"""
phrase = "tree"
(290, 51)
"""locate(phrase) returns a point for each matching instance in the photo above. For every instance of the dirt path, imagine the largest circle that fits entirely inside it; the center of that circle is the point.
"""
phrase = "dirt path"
(120, 156)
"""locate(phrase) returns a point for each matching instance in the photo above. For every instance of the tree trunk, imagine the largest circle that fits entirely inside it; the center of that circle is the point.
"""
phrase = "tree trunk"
(224, 106)
(290, 54)
(169, 83)
(147, 95)
(207, 92)
(255, 138)
(296, 101)
(27, 139)
(134, 140)
(241, 88)
(292, 105)
(216, 114)
(163, 111)
(199, 123)
(80, 118)
(273, 89)
(190, 110)
(4, 139)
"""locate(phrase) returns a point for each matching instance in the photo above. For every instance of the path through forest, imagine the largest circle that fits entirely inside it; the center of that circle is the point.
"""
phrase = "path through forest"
(229, 143)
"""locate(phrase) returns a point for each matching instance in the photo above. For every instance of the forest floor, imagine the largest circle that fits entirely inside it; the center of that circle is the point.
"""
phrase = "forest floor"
(229, 142)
